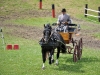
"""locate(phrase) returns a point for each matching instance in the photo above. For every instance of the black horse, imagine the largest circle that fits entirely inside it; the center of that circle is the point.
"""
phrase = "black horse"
(50, 41)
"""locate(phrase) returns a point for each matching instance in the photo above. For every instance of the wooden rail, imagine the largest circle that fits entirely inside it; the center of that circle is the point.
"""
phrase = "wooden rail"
(86, 12)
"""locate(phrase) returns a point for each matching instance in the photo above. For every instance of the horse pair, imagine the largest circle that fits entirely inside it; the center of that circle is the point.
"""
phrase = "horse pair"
(50, 41)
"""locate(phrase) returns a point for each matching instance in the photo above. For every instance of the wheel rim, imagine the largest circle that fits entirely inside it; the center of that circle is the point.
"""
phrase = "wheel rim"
(80, 49)
(81, 43)
(75, 54)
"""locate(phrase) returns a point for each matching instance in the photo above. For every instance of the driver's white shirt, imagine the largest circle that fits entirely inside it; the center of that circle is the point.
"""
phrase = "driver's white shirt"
(64, 18)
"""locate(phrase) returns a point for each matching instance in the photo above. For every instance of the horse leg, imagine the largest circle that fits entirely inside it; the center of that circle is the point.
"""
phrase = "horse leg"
(47, 54)
(43, 58)
(51, 56)
(58, 53)
(52, 59)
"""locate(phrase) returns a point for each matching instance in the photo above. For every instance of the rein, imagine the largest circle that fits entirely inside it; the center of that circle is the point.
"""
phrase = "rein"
(50, 36)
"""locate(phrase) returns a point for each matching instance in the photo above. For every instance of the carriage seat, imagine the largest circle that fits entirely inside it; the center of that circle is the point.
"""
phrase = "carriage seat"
(71, 27)
(61, 28)
(66, 28)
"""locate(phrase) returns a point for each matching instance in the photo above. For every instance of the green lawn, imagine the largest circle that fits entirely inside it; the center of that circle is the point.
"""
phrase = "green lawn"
(28, 61)
(74, 8)
(39, 21)
(97, 35)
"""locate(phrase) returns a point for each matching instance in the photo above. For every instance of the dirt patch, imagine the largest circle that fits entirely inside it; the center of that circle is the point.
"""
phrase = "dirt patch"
(30, 32)
(27, 32)
(35, 33)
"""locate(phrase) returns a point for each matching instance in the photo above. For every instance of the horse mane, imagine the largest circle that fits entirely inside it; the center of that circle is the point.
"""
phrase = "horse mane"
(47, 26)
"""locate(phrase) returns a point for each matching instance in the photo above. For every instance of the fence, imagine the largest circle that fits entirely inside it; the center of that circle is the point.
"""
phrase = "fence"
(86, 12)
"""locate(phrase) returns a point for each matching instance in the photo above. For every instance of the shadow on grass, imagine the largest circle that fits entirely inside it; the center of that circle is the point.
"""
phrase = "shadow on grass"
(70, 66)
(75, 67)
(82, 60)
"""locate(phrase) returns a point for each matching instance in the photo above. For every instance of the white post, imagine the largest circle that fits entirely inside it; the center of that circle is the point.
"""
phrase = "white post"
(2, 37)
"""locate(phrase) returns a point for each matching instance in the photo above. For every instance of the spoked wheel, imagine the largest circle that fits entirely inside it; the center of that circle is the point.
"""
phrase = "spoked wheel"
(80, 47)
(75, 54)
(81, 43)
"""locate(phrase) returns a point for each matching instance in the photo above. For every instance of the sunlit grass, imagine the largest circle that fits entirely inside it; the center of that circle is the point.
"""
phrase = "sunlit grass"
(39, 21)
(28, 60)
(97, 35)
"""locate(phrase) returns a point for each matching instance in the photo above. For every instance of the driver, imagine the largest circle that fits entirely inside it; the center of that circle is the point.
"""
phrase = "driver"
(63, 20)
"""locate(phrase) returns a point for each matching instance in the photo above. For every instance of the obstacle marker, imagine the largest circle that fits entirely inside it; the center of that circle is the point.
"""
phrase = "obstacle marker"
(9, 47)
(16, 47)
(53, 10)
(40, 4)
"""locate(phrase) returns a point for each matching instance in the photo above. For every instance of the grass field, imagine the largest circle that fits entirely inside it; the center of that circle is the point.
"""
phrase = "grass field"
(74, 8)
(39, 21)
(27, 60)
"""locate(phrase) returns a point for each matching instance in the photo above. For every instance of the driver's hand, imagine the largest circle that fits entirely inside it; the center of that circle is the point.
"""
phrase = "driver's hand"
(63, 22)
(66, 23)
(58, 23)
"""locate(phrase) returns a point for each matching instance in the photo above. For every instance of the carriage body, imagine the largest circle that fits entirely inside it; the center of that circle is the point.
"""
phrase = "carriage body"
(67, 36)
(73, 37)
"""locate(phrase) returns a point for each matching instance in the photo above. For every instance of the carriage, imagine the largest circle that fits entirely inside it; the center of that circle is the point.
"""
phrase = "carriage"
(67, 40)
(73, 41)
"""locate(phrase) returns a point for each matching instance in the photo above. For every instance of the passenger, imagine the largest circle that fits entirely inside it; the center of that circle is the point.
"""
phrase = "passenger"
(63, 20)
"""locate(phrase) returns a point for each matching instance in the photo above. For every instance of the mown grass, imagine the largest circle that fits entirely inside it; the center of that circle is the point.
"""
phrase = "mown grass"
(12, 6)
(97, 35)
(73, 7)
(90, 19)
(39, 21)
(28, 60)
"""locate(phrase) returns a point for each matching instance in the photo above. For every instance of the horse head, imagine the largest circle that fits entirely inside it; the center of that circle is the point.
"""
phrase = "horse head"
(47, 32)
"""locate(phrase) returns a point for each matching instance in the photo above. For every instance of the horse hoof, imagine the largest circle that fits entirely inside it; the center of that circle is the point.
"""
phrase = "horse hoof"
(43, 68)
(53, 61)
(50, 62)
(56, 64)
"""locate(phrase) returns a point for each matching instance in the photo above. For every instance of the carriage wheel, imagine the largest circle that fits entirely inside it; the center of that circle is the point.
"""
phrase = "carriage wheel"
(81, 43)
(80, 46)
(75, 54)
(72, 40)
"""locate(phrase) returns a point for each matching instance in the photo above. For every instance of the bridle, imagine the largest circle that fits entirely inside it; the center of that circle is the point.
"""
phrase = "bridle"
(49, 35)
